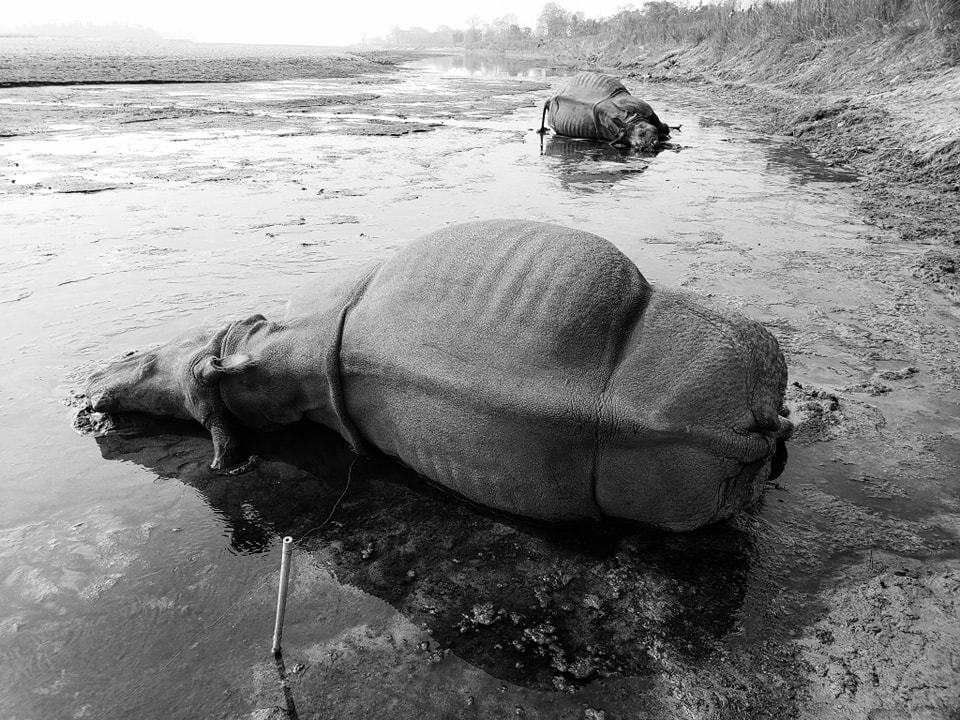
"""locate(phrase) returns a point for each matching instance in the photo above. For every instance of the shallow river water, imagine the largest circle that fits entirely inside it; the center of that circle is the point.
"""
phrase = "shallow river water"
(133, 583)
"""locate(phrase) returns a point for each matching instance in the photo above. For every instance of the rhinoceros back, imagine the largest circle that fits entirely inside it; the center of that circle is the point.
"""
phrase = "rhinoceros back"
(478, 355)
(593, 87)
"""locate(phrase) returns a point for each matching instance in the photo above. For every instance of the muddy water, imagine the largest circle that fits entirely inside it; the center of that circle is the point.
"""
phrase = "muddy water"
(135, 584)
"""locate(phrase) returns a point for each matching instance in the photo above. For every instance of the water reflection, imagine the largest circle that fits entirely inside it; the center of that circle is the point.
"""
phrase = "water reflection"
(795, 162)
(577, 149)
(583, 165)
(278, 498)
(484, 65)
(543, 607)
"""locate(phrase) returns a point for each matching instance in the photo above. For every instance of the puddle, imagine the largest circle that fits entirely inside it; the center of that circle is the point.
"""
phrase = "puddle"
(133, 583)
(801, 167)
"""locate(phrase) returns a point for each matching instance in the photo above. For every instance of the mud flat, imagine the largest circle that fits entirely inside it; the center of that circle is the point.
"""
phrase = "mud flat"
(43, 62)
(135, 583)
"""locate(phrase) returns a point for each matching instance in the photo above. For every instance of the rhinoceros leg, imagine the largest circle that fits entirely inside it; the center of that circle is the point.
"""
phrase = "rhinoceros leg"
(543, 117)
(227, 452)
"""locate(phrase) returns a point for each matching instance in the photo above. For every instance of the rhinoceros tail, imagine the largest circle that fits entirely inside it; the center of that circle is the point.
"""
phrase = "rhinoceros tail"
(543, 117)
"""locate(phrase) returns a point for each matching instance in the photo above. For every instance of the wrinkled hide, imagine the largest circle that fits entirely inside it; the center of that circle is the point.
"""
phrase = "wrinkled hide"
(597, 106)
(527, 367)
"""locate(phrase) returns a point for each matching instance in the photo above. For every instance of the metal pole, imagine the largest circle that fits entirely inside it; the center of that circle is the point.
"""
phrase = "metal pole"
(282, 592)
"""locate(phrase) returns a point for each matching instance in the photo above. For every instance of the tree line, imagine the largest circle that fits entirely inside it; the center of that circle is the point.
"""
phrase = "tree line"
(665, 22)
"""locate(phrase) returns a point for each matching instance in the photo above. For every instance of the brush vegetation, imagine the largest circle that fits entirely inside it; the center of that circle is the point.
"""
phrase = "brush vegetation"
(733, 23)
(724, 28)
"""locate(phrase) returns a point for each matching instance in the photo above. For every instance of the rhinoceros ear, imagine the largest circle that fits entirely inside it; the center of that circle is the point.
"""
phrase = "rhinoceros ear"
(209, 370)
(622, 126)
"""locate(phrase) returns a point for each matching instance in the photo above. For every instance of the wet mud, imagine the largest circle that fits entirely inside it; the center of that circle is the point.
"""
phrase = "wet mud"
(148, 582)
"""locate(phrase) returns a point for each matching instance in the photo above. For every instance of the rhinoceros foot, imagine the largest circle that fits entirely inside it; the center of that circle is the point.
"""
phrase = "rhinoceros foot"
(250, 463)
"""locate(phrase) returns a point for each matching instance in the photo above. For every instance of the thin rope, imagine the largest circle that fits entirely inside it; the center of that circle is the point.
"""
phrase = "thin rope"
(336, 504)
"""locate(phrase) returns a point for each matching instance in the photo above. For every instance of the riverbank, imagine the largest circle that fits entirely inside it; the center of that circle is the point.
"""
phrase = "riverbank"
(885, 106)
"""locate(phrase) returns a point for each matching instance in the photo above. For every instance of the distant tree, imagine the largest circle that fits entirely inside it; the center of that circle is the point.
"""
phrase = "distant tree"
(500, 27)
(444, 35)
(581, 25)
(662, 14)
(473, 32)
(554, 21)
(627, 25)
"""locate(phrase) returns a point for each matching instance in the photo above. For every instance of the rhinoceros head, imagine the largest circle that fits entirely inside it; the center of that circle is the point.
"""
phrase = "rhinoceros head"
(179, 379)
(636, 133)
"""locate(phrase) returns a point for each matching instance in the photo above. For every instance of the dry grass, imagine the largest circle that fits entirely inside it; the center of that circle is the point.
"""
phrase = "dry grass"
(727, 24)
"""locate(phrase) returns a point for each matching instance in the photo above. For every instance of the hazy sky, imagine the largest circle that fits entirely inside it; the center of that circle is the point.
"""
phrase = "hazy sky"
(329, 22)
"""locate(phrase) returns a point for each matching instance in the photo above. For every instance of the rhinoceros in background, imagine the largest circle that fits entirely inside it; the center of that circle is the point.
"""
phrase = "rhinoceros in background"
(597, 106)
(525, 366)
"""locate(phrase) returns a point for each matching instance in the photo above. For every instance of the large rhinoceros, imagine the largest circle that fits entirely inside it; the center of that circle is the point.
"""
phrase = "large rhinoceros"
(597, 106)
(525, 366)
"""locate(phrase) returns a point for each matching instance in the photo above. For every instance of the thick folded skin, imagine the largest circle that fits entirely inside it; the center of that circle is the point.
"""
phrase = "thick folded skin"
(527, 367)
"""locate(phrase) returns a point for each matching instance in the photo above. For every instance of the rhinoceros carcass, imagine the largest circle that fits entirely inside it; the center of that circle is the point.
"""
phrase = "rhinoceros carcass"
(528, 367)
(597, 106)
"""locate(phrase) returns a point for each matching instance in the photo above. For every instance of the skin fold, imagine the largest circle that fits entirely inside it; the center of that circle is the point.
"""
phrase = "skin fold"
(527, 367)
